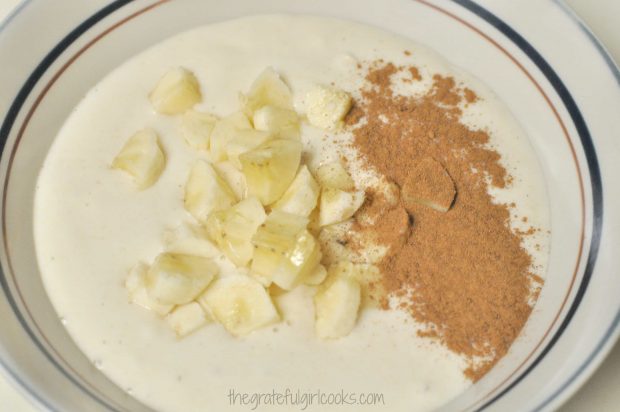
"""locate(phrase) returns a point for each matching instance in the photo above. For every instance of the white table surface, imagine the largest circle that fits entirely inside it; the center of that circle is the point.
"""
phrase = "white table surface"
(601, 392)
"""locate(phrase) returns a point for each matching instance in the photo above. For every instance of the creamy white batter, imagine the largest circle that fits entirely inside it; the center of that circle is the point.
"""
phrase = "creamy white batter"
(91, 226)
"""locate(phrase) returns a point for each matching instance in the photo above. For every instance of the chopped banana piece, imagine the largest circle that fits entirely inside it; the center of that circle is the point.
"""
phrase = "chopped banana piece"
(244, 141)
(141, 157)
(279, 230)
(429, 184)
(141, 298)
(265, 262)
(336, 308)
(334, 175)
(326, 107)
(190, 239)
(136, 286)
(240, 304)
(176, 278)
(364, 273)
(272, 240)
(281, 123)
(267, 90)
(135, 279)
(201, 300)
(232, 229)
(381, 201)
(270, 168)
(233, 177)
(299, 262)
(369, 214)
(317, 276)
(263, 280)
(224, 131)
(206, 191)
(338, 205)
(286, 253)
(301, 196)
(194, 246)
(177, 91)
(391, 192)
(196, 128)
(333, 240)
(186, 319)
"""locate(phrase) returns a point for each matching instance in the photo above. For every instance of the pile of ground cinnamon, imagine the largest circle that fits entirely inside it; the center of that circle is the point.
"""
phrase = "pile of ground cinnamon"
(462, 273)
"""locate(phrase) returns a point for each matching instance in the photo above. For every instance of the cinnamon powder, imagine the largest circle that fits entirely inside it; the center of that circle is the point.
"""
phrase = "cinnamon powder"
(464, 273)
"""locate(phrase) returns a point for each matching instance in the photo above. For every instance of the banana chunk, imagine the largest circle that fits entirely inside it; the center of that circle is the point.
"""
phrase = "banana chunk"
(326, 107)
(281, 123)
(196, 128)
(301, 196)
(338, 205)
(176, 278)
(224, 131)
(286, 253)
(186, 319)
(334, 240)
(190, 239)
(177, 91)
(335, 176)
(365, 274)
(316, 277)
(270, 168)
(206, 191)
(232, 229)
(336, 308)
(244, 141)
(429, 184)
(141, 157)
(267, 90)
(138, 295)
(231, 174)
(240, 304)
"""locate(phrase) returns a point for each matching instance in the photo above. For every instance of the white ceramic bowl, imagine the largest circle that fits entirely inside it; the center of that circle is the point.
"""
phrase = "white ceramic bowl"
(534, 54)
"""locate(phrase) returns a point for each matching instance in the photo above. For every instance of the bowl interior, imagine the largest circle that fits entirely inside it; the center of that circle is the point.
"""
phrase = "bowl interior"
(63, 376)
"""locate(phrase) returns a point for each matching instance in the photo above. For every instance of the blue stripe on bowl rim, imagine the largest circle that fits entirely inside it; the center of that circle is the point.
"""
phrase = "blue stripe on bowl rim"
(498, 24)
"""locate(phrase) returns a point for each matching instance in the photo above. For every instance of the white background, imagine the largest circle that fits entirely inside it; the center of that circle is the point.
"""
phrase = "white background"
(601, 393)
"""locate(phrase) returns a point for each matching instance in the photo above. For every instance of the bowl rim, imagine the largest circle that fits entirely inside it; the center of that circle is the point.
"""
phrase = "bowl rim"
(594, 359)
(612, 335)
